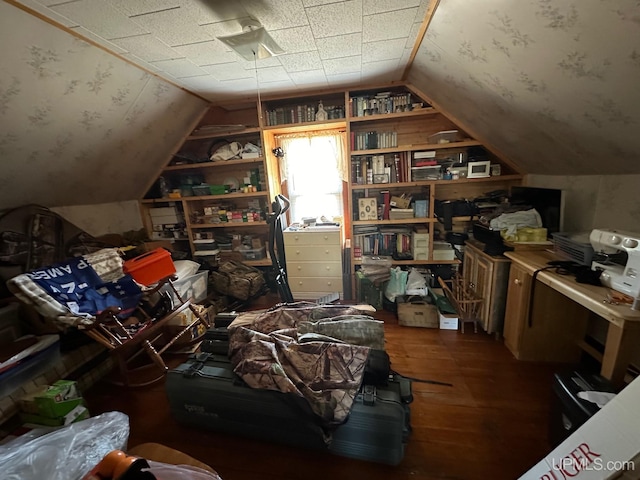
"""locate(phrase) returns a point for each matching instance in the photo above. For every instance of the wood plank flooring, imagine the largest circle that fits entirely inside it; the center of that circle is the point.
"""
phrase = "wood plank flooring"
(491, 424)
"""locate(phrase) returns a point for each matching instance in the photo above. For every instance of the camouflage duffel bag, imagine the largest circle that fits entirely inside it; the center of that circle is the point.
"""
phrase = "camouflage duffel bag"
(237, 280)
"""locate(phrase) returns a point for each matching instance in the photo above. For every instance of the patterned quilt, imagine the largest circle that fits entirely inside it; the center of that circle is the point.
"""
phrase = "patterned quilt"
(316, 352)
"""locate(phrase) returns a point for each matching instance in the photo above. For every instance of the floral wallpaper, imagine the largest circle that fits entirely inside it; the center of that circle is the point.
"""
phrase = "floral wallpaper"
(78, 125)
(551, 84)
(596, 201)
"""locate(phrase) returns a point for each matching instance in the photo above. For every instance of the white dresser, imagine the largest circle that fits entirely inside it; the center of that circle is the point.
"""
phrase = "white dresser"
(314, 262)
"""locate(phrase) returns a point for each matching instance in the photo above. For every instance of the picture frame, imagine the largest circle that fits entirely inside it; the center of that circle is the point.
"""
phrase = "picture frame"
(368, 208)
(381, 178)
(479, 169)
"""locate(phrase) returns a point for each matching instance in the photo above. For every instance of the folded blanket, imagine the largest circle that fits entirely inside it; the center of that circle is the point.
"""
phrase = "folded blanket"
(267, 351)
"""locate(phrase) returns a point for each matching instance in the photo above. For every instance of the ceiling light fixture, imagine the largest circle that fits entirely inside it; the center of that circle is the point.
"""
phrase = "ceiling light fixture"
(254, 43)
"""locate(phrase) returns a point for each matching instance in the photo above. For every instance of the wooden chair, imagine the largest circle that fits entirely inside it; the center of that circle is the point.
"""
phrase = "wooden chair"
(143, 333)
(127, 340)
(464, 300)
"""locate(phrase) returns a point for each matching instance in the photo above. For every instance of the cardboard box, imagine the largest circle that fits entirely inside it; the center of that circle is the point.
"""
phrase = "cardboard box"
(80, 412)
(448, 321)
(604, 447)
(416, 311)
(52, 401)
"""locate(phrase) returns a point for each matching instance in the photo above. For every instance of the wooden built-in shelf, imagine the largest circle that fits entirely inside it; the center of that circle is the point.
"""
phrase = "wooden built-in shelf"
(416, 147)
(225, 196)
(400, 221)
(307, 126)
(218, 164)
(225, 133)
(260, 223)
(427, 183)
(388, 116)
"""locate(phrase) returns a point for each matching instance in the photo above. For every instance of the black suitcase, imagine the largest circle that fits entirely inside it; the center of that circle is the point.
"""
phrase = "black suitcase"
(216, 341)
(205, 393)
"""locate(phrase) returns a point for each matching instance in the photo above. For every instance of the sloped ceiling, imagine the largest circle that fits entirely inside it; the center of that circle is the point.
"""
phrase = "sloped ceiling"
(552, 84)
(77, 125)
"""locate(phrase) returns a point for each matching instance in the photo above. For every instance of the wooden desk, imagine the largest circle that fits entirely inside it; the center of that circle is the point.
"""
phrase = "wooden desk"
(623, 333)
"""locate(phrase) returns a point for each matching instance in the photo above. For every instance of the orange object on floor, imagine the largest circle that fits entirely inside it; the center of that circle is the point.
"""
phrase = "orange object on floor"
(150, 267)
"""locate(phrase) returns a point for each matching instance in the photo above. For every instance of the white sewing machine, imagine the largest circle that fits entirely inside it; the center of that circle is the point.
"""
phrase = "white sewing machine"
(623, 278)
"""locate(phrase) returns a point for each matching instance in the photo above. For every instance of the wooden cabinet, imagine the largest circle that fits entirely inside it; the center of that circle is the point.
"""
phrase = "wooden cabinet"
(314, 261)
(549, 328)
(517, 308)
(487, 276)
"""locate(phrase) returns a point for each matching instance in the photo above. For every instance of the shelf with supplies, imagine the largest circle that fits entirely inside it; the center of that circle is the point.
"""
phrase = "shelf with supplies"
(405, 154)
(218, 180)
(310, 109)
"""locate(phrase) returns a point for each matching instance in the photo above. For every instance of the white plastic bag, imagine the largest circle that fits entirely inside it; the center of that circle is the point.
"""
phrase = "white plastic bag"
(397, 283)
(416, 283)
(67, 453)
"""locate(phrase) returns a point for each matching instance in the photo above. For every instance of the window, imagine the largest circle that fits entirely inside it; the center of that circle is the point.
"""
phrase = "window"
(313, 167)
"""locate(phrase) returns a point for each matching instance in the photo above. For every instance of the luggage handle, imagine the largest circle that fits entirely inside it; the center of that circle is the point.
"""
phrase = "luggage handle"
(194, 368)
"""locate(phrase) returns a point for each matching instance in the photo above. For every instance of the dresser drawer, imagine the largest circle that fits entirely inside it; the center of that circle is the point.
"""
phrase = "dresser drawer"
(314, 269)
(312, 238)
(305, 253)
(313, 284)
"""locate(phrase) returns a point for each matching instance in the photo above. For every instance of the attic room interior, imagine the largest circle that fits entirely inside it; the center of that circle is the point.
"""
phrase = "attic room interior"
(296, 195)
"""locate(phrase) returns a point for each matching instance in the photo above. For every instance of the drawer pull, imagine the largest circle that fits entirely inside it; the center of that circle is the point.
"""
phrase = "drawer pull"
(328, 268)
(329, 284)
(299, 268)
(296, 238)
(517, 281)
(326, 237)
(327, 252)
(297, 252)
(300, 283)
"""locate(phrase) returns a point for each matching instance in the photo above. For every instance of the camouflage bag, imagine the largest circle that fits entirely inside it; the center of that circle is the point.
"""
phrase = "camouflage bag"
(237, 280)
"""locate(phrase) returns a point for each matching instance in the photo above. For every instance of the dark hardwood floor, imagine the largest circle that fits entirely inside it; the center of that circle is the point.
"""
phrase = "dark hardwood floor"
(491, 424)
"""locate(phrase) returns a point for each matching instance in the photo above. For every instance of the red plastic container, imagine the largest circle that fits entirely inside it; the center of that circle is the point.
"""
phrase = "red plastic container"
(147, 269)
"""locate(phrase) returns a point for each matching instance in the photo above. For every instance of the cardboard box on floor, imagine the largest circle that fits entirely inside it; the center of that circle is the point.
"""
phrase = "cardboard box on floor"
(607, 446)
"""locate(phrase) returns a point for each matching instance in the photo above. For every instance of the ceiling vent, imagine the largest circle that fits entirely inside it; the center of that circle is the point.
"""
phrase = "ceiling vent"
(253, 43)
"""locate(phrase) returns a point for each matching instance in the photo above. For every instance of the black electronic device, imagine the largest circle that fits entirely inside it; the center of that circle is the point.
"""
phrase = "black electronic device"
(548, 202)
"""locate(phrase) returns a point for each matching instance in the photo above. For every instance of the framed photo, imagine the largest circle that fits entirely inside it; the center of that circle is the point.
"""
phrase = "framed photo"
(479, 169)
(381, 178)
(368, 209)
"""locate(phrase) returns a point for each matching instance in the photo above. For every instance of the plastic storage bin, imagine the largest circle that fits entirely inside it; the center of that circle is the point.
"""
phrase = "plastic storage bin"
(253, 253)
(193, 287)
(150, 267)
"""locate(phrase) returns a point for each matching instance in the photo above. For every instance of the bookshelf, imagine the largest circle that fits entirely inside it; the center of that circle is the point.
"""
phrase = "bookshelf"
(404, 155)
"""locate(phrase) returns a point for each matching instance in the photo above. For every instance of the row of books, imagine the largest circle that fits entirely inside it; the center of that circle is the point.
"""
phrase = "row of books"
(380, 103)
(383, 242)
(373, 140)
(380, 169)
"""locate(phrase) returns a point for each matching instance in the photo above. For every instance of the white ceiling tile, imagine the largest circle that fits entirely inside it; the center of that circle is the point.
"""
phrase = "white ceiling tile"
(344, 79)
(336, 18)
(212, 11)
(137, 7)
(202, 83)
(206, 53)
(340, 46)
(140, 62)
(273, 74)
(147, 47)
(229, 71)
(227, 27)
(101, 18)
(384, 66)
(47, 12)
(180, 67)
(340, 66)
(173, 28)
(413, 34)
(310, 78)
(381, 6)
(384, 26)
(382, 50)
(258, 63)
(315, 3)
(99, 40)
(244, 85)
(276, 15)
(294, 40)
(299, 62)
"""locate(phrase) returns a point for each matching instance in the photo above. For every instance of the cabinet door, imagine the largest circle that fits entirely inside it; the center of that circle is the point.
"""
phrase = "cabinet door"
(517, 309)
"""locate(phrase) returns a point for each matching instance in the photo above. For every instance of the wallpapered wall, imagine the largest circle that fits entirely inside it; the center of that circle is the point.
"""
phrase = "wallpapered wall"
(550, 83)
(80, 126)
(596, 201)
